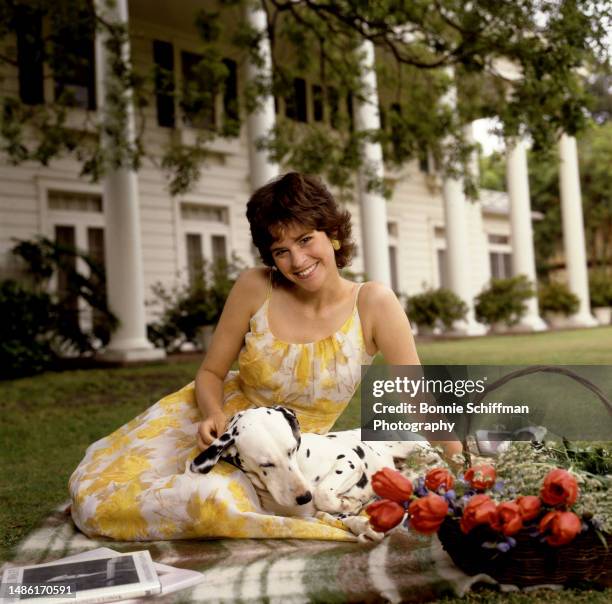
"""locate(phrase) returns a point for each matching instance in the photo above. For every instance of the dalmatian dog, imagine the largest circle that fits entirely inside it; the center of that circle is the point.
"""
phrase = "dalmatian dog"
(304, 474)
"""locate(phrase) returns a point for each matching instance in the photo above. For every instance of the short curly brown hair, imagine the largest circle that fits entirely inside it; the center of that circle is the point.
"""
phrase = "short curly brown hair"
(300, 198)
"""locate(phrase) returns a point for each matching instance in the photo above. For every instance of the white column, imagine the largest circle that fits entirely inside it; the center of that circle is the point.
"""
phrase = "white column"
(261, 121)
(523, 255)
(457, 245)
(123, 250)
(372, 204)
(573, 230)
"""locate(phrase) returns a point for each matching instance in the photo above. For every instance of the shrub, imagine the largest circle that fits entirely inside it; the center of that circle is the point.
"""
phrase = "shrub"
(43, 258)
(600, 289)
(504, 301)
(555, 297)
(436, 305)
(187, 308)
(25, 330)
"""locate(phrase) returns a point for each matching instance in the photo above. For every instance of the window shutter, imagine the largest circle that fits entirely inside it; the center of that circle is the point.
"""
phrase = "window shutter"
(30, 57)
(230, 95)
(163, 57)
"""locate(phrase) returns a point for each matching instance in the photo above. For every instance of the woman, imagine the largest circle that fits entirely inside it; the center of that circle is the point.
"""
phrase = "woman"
(300, 332)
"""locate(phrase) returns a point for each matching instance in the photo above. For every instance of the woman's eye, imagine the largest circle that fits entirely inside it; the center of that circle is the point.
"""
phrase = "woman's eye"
(306, 239)
(279, 253)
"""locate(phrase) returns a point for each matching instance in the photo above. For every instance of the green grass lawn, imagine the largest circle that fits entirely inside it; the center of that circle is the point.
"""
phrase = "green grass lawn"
(49, 420)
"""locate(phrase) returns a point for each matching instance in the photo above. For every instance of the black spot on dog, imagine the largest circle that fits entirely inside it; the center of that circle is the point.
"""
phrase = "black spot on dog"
(330, 435)
(338, 471)
(307, 452)
(351, 464)
(365, 464)
(359, 451)
(316, 479)
(265, 473)
(340, 456)
(269, 412)
(363, 481)
(224, 437)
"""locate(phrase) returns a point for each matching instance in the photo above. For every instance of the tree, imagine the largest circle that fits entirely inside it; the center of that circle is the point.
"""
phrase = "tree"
(416, 41)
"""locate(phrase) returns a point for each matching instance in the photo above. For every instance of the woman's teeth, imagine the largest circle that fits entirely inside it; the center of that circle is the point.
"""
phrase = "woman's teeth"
(306, 273)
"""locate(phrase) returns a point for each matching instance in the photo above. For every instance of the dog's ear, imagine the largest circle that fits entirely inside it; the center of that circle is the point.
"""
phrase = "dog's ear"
(207, 459)
(292, 419)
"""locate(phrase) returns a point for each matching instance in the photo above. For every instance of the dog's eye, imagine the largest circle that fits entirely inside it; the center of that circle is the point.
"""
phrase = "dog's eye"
(267, 465)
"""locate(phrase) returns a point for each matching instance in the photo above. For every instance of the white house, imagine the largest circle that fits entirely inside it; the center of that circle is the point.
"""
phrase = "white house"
(427, 235)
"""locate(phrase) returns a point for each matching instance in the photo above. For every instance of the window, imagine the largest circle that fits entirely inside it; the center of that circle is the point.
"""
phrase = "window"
(206, 231)
(198, 102)
(393, 267)
(195, 257)
(501, 265)
(74, 201)
(500, 256)
(317, 103)
(441, 259)
(333, 99)
(395, 114)
(349, 111)
(230, 93)
(30, 56)
(295, 104)
(76, 221)
(74, 68)
(424, 160)
(65, 236)
(163, 56)
(204, 213)
(219, 248)
(393, 232)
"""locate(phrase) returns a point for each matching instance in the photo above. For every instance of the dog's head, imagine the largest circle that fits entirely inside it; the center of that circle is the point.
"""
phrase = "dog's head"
(263, 443)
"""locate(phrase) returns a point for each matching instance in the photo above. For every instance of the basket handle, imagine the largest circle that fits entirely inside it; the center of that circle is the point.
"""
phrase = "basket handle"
(528, 371)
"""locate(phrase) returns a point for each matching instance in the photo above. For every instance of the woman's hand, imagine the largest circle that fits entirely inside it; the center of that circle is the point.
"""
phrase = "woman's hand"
(211, 428)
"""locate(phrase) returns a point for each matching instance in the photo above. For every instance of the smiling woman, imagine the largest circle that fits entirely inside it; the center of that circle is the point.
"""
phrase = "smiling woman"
(300, 333)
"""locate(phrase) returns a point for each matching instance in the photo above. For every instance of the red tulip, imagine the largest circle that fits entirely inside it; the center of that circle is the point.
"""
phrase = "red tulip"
(390, 484)
(560, 528)
(529, 506)
(559, 488)
(509, 517)
(385, 514)
(428, 513)
(439, 477)
(481, 477)
(481, 509)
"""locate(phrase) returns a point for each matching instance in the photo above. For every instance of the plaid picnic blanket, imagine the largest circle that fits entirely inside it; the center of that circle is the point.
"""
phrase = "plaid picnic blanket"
(405, 567)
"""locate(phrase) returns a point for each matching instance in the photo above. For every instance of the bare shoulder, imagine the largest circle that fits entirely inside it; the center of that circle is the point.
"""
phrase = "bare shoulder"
(374, 294)
(252, 285)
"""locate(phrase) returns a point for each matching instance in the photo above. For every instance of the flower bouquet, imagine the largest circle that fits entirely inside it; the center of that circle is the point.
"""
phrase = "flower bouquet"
(525, 521)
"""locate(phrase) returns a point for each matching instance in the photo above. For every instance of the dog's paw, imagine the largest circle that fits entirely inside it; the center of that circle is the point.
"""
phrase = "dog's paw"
(360, 526)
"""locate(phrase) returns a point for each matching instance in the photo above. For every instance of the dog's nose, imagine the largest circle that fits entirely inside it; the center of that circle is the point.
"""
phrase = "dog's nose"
(305, 498)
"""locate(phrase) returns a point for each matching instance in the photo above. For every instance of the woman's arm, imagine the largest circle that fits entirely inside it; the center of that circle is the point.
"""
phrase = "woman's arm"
(392, 335)
(245, 297)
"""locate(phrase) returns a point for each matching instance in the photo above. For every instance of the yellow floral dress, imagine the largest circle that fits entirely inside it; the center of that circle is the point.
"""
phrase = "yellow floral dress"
(132, 485)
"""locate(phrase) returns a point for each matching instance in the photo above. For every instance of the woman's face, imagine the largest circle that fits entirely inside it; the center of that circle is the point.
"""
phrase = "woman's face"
(304, 256)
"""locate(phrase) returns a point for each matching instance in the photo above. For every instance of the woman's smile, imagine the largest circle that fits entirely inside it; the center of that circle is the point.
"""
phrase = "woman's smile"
(307, 272)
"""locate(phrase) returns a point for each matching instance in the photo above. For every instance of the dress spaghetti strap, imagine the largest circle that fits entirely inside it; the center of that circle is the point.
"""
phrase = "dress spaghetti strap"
(269, 290)
(359, 286)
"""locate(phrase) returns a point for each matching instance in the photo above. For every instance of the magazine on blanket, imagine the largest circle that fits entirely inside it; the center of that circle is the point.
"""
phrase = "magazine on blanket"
(99, 575)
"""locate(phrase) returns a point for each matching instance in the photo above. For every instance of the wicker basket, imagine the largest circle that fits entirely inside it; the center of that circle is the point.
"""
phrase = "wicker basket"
(531, 561)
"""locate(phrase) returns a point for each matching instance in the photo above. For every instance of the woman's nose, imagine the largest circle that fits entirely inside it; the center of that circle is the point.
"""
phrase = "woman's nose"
(297, 258)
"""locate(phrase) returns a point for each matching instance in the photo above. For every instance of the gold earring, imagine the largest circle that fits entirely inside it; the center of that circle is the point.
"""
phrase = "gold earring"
(335, 244)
